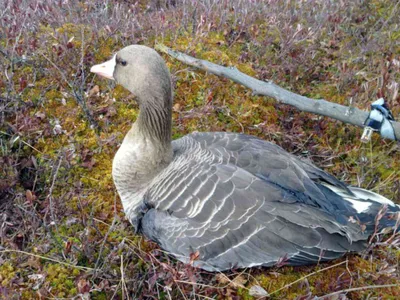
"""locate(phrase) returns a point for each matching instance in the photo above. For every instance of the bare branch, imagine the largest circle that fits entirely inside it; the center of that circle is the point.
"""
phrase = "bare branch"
(47, 258)
(308, 275)
(78, 96)
(368, 287)
(350, 115)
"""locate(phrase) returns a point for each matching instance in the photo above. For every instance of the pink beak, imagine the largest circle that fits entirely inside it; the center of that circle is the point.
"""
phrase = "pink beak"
(105, 69)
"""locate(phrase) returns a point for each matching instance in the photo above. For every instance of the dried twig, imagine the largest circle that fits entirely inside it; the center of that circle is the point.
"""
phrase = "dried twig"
(361, 288)
(110, 229)
(308, 275)
(46, 258)
(78, 96)
(350, 115)
(22, 141)
(124, 289)
(50, 195)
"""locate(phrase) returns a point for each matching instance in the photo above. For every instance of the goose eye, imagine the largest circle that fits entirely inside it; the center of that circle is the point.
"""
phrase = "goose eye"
(123, 62)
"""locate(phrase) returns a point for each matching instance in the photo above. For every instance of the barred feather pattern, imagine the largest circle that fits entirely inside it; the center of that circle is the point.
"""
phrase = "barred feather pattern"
(241, 202)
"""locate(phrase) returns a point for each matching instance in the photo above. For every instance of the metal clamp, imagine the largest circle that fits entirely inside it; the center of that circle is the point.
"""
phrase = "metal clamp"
(378, 120)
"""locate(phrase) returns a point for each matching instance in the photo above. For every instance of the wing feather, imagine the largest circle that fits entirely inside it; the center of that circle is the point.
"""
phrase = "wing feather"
(241, 202)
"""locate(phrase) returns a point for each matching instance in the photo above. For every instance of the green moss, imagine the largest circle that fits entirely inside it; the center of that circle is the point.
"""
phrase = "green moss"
(7, 273)
(100, 295)
(61, 279)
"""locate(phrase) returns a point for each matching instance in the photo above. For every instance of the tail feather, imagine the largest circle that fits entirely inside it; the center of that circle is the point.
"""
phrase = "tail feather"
(368, 205)
(368, 195)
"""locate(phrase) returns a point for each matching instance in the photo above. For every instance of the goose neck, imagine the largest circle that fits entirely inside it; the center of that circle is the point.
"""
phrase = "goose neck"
(155, 121)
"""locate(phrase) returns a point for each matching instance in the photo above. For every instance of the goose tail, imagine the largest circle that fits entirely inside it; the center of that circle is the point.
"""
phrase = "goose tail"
(377, 206)
(370, 207)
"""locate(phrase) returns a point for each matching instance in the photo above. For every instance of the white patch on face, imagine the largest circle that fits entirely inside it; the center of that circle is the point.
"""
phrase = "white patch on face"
(105, 69)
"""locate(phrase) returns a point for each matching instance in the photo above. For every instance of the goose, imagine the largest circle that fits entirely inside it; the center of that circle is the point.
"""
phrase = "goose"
(222, 200)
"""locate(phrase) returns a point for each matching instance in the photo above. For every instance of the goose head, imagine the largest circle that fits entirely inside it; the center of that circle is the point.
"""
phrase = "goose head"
(143, 72)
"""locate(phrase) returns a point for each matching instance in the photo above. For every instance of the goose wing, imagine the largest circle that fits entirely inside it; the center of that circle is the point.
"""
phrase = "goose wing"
(215, 200)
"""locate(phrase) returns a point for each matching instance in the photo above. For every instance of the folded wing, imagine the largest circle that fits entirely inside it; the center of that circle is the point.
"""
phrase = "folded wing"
(240, 204)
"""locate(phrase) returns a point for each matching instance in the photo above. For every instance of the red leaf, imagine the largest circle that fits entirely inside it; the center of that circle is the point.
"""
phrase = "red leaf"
(83, 286)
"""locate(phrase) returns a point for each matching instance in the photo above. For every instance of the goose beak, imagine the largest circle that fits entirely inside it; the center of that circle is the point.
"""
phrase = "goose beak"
(105, 69)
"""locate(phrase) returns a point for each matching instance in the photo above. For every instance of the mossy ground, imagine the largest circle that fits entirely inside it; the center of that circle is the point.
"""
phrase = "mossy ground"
(63, 227)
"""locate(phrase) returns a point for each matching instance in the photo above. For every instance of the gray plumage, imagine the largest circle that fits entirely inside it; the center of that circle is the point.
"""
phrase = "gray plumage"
(236, 200)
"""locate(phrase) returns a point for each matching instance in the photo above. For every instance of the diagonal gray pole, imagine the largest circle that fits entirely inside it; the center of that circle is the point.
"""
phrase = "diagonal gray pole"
(350, 115)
